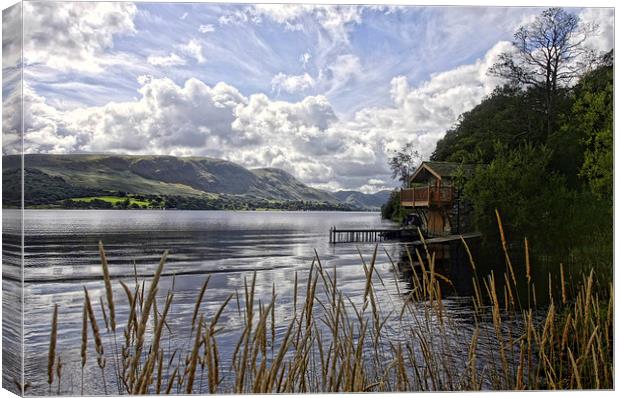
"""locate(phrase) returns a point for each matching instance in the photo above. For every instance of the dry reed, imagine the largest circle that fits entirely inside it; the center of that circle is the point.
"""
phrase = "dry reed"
(331, 343)
(51, 357)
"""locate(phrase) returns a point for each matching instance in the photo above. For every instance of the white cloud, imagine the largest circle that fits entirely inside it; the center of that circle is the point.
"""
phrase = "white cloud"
(166, 118)
(12, 37)
(335, 20)
(604, 19)
(75, 35)
(339, 73)
(11, 119)
(44, 126)
(375, 185)
(304, 59)
(305, 138)
(195, 119)
(162, 60)
(292, 83)
(193, 49)
(239, 17)
(183, 16)
(422, 114)
(206, 28)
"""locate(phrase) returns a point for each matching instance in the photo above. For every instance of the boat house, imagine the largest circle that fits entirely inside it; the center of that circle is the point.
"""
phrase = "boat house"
(432, 194)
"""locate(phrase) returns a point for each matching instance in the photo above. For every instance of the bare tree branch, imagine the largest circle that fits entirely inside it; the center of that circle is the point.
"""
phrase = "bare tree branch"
(549, 53)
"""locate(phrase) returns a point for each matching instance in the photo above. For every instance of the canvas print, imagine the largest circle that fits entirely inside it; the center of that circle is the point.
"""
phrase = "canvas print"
(218, 198)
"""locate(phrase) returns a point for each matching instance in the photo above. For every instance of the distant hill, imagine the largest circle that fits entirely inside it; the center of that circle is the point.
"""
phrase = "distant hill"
(362, 200)
(59, 177)
(278, 184)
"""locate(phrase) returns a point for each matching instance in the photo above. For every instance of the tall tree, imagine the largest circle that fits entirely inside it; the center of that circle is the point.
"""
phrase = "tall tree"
(548, 54)
(403, 162)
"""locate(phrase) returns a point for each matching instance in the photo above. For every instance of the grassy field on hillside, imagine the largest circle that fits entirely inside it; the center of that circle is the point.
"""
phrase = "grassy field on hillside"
(114, 200)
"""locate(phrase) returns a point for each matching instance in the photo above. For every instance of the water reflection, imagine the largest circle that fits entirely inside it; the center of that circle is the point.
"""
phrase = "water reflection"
(61, 257)
(450, 260)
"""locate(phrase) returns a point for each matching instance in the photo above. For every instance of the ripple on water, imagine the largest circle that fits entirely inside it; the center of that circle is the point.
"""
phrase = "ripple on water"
(62, 258)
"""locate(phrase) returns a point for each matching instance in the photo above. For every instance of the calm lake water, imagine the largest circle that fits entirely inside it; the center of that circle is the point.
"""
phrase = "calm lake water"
(61, 258)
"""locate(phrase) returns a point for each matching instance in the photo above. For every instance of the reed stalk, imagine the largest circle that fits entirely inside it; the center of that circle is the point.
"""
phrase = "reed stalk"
(84, 345)
(51, 357)
(101, 360)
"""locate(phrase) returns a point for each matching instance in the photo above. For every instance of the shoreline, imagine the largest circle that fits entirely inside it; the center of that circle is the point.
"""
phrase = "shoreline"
(211, 210)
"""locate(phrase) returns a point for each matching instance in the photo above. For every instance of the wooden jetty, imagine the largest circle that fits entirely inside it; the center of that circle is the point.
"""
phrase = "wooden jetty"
(363, 235)
(447, 238)
(345, 235)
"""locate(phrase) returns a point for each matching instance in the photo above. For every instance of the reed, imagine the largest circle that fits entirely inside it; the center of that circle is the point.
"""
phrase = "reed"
(330, 342)
(51, 357)
(193, 360)
(111, 309)
(101, 360)
(199, 301)
(144, 379)
(59, 365)
(108, 286)
(84, 345)
(140, 327)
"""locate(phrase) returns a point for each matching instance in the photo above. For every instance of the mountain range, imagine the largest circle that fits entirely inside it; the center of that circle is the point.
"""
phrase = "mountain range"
(65, 176)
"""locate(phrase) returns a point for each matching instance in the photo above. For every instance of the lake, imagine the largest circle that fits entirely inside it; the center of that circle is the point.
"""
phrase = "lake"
(61, 258)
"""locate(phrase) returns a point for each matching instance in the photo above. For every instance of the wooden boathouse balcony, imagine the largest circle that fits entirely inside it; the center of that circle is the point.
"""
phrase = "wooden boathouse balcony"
(426, 196)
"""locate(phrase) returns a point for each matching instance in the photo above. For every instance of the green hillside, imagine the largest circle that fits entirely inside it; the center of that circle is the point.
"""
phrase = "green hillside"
(80, 180)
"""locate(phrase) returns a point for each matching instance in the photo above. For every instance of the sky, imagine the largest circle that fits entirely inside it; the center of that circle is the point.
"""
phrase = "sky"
(326, 93)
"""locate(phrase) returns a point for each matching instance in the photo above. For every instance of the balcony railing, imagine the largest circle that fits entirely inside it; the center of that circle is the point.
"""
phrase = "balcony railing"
(426, 196)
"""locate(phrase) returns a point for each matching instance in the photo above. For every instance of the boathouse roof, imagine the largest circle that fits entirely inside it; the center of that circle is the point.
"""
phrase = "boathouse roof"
(441, 170)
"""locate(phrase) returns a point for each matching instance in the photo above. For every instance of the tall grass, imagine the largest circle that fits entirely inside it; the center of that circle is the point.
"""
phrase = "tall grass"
(330, 343)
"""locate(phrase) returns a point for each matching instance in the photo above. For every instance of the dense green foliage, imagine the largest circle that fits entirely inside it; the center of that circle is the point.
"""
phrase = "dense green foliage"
(40, 188)
(391, 209)
(532, 203)
(553, 187)
(592, 115)
(508, 116)
(212, 202)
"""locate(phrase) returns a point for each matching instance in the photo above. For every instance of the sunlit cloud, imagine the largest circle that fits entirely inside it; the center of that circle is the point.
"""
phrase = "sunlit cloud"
(169, 60)
(323, 92)
(206, 28)
(292, 83)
